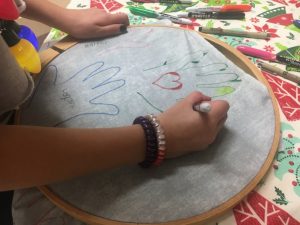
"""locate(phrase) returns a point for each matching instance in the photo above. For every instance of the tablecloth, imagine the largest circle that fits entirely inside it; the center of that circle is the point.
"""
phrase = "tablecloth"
(276, 200)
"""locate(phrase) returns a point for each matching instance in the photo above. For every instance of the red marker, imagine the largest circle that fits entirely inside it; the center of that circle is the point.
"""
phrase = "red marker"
(8, 10)
(236, 8)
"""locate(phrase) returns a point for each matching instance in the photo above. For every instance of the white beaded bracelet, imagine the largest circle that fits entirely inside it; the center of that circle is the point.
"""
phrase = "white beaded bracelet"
(161, 139)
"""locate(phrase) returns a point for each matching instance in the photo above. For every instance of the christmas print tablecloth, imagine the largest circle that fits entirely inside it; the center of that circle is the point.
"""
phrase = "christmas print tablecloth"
(276, 200)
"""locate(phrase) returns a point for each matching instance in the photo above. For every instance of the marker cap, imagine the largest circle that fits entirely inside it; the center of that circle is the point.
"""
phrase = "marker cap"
(236, 8)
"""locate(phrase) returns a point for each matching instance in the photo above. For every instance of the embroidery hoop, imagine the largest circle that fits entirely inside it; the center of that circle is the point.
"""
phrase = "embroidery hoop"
(242, 62)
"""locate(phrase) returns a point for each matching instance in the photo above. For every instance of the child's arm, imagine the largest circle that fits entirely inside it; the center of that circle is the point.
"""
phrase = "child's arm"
(79, 23)
(32, 156)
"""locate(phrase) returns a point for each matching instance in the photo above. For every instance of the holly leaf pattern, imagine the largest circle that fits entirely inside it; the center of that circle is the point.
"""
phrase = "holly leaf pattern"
(291, 36)
(288, 96)
(292, 53)
(176, 7)
(281, 200)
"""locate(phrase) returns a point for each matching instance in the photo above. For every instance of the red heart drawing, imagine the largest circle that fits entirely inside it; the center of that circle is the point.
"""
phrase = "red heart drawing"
(169, 81)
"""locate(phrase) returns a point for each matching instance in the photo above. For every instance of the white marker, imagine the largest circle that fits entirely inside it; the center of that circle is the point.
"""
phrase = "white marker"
(204, 107)
(175, 19)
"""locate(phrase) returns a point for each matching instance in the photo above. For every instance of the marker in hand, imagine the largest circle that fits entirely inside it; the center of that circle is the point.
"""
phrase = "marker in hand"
(204, 107)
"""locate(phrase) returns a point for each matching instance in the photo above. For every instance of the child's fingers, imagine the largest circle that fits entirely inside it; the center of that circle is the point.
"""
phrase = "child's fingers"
(110, 30)
(218, 112)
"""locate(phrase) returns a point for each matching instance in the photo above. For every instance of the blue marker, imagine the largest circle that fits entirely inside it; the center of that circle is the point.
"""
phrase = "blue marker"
(297, 23)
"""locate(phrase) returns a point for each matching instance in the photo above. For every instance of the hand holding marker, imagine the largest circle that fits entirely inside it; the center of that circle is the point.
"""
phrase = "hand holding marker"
(204, 107)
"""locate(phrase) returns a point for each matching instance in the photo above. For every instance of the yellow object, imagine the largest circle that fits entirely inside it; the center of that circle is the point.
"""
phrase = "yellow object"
(26, 56)
(24, 52)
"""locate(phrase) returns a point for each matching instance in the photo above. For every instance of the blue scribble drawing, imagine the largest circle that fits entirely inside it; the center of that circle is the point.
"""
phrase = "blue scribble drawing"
(59, 98)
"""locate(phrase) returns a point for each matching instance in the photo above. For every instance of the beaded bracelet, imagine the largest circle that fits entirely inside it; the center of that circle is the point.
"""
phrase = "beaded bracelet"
(161, 139)
(155, 140)
(151, 141)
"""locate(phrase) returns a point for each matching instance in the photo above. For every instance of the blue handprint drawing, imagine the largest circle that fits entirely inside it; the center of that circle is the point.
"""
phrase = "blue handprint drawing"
(59, 99)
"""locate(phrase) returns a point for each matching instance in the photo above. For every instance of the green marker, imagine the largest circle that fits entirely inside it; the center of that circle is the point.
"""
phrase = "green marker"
(152, 14)
(143, 12)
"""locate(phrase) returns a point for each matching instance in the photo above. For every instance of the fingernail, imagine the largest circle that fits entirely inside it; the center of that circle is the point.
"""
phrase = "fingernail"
(123, 29)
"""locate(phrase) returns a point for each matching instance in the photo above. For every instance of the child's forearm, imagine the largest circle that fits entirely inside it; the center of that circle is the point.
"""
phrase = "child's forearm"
(32, 156)
(46, 12)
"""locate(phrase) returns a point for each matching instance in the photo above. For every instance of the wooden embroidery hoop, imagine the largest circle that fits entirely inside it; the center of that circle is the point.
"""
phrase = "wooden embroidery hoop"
(238, 59)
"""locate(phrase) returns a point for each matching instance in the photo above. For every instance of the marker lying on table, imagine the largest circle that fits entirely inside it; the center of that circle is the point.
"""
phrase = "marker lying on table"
(227, 32)
(217, 15)
(152, 14)
(267, 55)
(282, 73)
(224, 8)
(204, 107)
(165, 1)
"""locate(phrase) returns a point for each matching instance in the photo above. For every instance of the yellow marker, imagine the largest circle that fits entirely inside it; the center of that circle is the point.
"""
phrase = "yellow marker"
(24, 52)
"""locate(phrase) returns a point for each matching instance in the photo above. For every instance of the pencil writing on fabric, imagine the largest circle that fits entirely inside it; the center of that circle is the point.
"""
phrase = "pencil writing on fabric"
(257, 53)
(277, 71)
(237, 33)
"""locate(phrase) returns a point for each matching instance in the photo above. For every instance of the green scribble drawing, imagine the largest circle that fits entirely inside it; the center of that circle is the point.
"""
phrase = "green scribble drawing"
(149, 103)
(281, 200)
(196, 56)
(288, 157)
(215, 91)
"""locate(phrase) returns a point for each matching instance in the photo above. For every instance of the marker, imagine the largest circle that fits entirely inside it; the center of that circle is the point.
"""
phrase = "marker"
(296, 23)
(225, 8)
(165, 1)
(257, 53)
(217, 15)
(227, 32)
(288, 61)
(282, 73)
(267, 55)
(204, 107)
(152, 14)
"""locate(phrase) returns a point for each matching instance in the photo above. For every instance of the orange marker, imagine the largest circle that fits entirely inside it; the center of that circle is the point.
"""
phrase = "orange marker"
(236, 8)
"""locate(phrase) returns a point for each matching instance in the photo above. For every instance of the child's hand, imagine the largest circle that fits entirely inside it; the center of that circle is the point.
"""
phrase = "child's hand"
(93, 23)
(187, 130)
